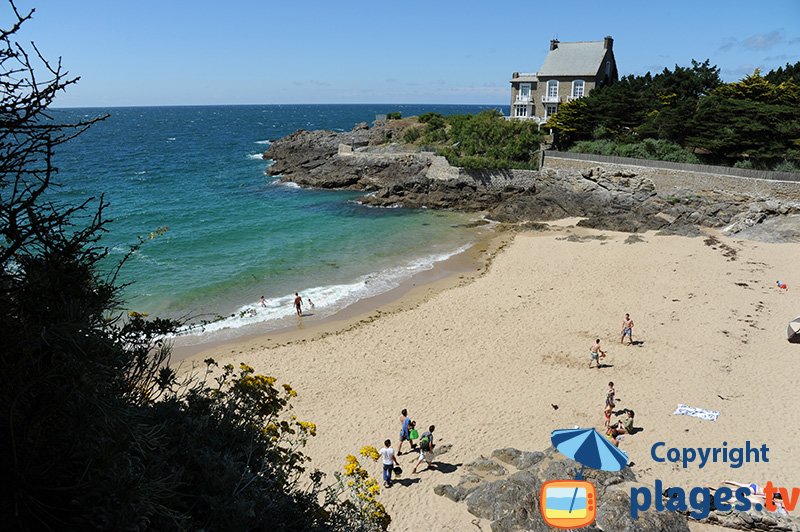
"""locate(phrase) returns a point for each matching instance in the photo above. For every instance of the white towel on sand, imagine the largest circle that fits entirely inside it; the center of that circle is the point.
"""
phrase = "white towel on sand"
(683, 410)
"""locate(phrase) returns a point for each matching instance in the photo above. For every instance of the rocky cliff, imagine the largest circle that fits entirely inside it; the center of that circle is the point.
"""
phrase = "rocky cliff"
(393, 174)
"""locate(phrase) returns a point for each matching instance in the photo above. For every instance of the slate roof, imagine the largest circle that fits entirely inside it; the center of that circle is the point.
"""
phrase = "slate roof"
(574, 59)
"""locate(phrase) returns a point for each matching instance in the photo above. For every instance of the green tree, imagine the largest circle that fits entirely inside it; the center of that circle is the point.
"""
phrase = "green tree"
(752, 117)
(96, 430)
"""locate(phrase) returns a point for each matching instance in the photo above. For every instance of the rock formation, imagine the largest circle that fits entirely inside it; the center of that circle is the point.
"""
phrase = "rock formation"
(394, 174)
(504, 489)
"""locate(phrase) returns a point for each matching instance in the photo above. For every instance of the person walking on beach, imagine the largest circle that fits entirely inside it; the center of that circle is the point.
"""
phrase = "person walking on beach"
(627, 329)
(610, 403)
(262, 301)
(426, 447)
(596, 353)
(298, 304)
(389, 461)
(405, 430)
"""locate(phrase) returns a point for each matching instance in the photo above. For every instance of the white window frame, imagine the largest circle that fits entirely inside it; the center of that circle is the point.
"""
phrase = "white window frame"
(576, 85)
(552, 89)
(520, 111)
(525, 90)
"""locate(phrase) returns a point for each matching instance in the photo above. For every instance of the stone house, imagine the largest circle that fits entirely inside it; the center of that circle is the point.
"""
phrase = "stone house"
(570, 70)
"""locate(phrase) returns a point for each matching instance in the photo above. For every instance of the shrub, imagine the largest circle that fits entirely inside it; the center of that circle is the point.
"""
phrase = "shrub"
(427, 117)
(746, 164)
(411, 135)
(394, 116)
(787, 166)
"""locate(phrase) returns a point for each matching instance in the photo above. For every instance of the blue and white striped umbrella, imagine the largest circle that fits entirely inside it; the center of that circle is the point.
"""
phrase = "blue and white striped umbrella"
(589, 448)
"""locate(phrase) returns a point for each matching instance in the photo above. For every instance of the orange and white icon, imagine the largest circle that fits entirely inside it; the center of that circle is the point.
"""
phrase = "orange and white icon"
(568, 503)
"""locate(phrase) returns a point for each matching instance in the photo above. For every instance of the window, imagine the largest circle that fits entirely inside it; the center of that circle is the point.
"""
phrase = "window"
(608, 69)
(552, 89)
(520, 111)
(525, 91)
(550, 110)
(577, 88)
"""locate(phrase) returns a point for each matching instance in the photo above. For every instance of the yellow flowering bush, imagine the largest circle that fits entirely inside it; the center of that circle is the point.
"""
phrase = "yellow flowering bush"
(363, 490)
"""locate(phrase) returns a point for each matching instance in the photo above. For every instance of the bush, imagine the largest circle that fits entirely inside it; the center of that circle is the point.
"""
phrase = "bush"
(659, 150)
(411, 135)
(394, 116)
(427, 117)
(746, 164)
(787, 166)
(97, 431)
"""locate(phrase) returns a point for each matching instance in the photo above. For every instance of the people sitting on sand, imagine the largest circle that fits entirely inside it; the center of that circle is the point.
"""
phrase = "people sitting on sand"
(625, 425)
(298, 304)
(613, 436)
(426, 447)
(781, 285)
(596, 353)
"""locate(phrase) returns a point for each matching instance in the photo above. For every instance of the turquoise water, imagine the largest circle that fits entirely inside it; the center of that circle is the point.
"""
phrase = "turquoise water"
(234, 233)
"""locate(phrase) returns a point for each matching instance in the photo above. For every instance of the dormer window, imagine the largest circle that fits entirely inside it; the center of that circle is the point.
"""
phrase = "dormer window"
(577, 88)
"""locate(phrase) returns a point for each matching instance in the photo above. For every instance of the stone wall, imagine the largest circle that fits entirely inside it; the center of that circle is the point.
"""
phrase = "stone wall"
(668, 179)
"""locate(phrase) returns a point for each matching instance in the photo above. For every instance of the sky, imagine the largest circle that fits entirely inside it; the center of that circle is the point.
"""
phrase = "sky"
(181, 52)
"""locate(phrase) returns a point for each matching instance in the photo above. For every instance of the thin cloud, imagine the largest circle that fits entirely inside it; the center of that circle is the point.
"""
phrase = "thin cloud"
(781, 57)
(757, 42)
(764, 41)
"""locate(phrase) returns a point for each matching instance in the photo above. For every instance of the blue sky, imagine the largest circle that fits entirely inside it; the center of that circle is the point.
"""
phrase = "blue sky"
(170, 52)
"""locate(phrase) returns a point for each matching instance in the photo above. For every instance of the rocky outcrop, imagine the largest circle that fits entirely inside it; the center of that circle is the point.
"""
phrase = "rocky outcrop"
(317, 159)
(618, 200)
(504, 489)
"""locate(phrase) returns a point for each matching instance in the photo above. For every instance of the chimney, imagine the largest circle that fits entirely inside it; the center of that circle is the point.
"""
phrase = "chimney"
(608, 42)
(515, 75)
(553, 44)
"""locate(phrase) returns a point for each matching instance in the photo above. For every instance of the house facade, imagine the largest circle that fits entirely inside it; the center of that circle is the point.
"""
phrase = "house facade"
(570, 71)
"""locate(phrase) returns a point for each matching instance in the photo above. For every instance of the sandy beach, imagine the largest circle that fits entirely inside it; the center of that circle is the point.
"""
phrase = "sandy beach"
(485, 355)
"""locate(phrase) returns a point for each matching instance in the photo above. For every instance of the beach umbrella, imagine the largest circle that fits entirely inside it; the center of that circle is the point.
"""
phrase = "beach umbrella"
(589, 448)
(793, 331)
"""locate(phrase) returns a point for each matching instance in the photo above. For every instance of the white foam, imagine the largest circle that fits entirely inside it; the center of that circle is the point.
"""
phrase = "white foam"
(255, 156)
(171, 139)
(263, 142)
(279, 311)
(287, 184)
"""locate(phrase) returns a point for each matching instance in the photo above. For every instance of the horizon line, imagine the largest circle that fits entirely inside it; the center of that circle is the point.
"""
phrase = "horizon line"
(263, 104)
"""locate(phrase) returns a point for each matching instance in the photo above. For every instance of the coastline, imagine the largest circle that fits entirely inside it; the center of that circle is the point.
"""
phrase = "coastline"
(485, 356)
(456, 270)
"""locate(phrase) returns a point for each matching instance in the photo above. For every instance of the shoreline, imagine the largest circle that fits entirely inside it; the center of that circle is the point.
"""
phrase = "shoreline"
(453, 271)
(485, 355)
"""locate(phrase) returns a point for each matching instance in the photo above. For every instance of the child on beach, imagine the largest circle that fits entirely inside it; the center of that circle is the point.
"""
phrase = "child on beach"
(426, 447)
(611, 395)
(311, 304)
(413, 435)
(389, 461)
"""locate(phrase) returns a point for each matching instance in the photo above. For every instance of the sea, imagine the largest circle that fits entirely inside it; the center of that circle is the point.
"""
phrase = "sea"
(219, 232)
